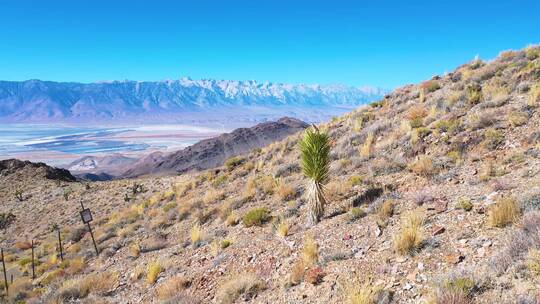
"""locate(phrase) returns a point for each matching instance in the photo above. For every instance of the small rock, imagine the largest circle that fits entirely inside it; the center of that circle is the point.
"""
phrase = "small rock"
(347, 237)
(454, 258)
(421, 266)
(401, 259)
(407, 286)
(481, 252)
(438, 230)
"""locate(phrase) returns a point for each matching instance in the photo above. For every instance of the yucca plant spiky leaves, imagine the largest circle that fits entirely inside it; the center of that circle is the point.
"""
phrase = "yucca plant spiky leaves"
(315, 155)
(315, 161)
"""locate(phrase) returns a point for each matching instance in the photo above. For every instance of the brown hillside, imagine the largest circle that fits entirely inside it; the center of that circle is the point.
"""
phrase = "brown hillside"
(433, 197)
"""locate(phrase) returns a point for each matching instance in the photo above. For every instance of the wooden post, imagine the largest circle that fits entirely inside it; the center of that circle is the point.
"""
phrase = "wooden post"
(5, 274)
(33, 263)
(60, 244)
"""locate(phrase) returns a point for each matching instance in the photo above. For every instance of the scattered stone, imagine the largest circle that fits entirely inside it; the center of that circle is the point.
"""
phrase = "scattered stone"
(438, 230)
(454, 258)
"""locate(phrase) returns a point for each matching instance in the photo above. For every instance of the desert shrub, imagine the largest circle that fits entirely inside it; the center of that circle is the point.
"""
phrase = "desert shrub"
(247, 285)
(533, 261)
(534, 95)
(386, 209)
(365, 292)
(268, 184)
(356, 213)
(234, 162)
(423, 166)
(517, 119)
(212, 196)
(450, 126)
(465, 204)
(366, 149)
(474, 92)
(6, 219)
(310, 252)
(232, 219)
(285, 192)
(172, 287)
(355, 180)
(153, 271)
(287, 169)
(220, 180)
(314, 275)
(196, 235)
(505, 212)
(430, 86)
(458, 287)
(482, 120)
(493, 139)
(256, 217)
(282, 228)
(419, 134)
(410, 237)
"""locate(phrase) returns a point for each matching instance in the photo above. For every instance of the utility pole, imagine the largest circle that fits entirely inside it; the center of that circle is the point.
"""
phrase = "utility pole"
(33, 263)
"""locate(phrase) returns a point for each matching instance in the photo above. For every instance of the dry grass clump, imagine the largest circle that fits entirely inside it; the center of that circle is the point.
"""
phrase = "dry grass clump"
(416, 116)
(197, 235)
(505, 212)
(153, 271)
(256, 217)
(517, 119)
(465, 204)
(172, 287)
(336, 190)
(310, 252)
(410, 237)
(455, 290)
(285, 192)
(386, 210)
(362, 292)
(534, 96)
(366, 149)
(234, 162)
(212, 196)
(493, 139)
(268, 184)
(282, 228)
(423, 166)
(474, 93)
(430, 86)
(243, 284)
(251, 189)
(232, 219)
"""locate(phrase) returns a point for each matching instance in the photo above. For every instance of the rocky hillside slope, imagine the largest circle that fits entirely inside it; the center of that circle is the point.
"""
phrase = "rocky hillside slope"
(213, 152)
(433, 197)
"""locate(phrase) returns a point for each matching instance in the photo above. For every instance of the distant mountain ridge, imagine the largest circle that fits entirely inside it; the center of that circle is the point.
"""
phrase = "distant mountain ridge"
(174, 100)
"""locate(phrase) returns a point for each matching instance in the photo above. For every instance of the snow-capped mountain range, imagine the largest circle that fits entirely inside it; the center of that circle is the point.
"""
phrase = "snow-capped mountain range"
(172, 101)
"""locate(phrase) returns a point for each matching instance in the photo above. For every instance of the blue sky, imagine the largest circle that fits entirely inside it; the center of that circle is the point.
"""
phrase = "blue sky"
(378, 43)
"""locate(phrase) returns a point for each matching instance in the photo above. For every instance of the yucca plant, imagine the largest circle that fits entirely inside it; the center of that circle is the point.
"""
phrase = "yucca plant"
(315, 161)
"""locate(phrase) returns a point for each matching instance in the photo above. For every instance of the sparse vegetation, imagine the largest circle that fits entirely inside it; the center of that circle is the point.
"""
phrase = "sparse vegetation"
(423, 166)
(247, 285)
(410, 237)
(256, 217)
(310, 252)
(152, 274)
(315, 161)
(505, 212)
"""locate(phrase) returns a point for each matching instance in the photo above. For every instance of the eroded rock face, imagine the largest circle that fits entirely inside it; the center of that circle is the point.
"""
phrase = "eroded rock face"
(213, 152)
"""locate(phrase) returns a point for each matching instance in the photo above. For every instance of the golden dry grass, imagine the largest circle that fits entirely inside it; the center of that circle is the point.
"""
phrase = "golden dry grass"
(243, 284)
(505, 212)
(153, 272)
(172, 287)
(423, 166)
(367, 147)
(410, 237)
(310, 252)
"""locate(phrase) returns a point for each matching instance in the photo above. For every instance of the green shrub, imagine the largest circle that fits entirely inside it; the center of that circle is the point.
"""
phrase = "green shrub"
(474, 93)
(465, 204)
(233, 162)
(356, 213)
(493, 138)
(355, 180)
(256, 217)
